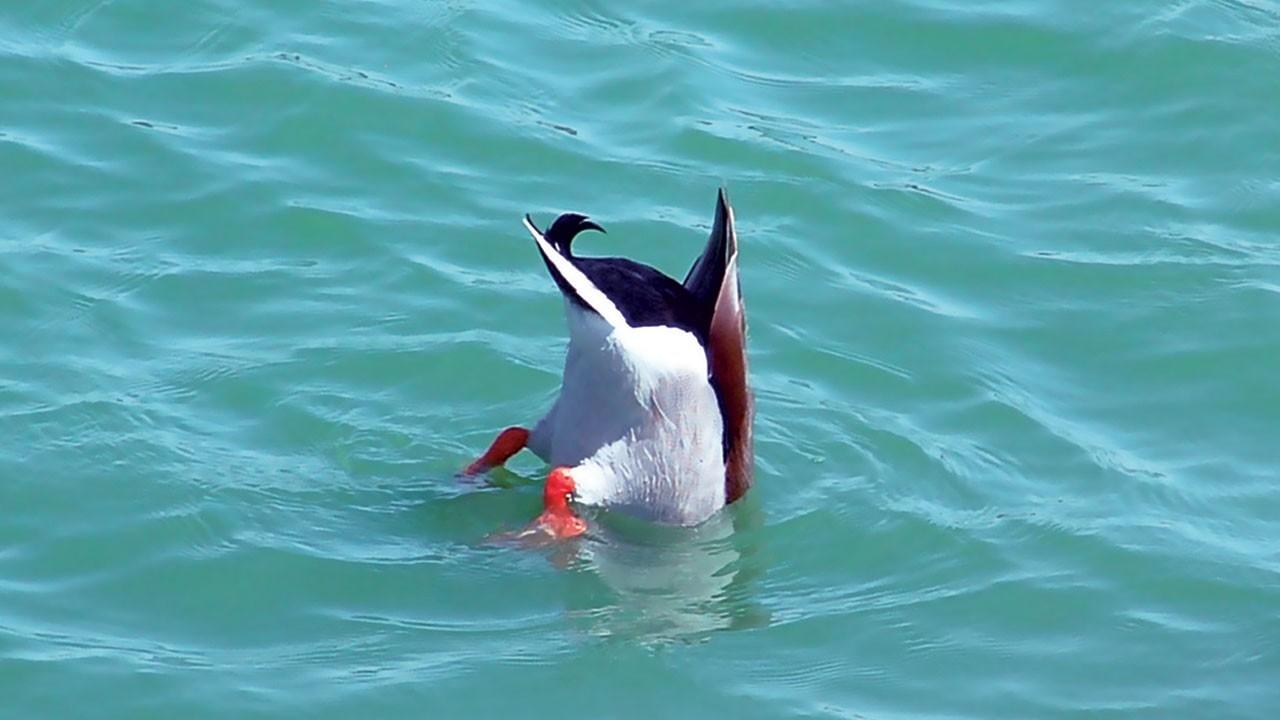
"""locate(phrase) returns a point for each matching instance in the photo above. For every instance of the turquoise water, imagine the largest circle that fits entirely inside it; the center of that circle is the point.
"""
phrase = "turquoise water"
(1013, 273)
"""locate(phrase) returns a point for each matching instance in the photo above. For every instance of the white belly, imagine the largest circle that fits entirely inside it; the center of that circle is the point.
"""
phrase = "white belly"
(638, 420)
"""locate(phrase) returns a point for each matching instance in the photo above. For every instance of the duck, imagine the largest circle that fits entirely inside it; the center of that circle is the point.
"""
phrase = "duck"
(654, 414)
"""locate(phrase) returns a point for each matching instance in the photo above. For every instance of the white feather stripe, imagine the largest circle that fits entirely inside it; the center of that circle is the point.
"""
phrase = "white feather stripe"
(581, 284)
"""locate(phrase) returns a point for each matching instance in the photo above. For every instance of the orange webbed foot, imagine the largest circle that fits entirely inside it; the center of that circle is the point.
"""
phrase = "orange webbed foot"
(508, 443)
(557, 521)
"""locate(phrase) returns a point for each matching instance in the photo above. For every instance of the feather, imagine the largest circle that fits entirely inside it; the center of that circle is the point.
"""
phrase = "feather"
(572, 282)
(713, 280)
(565, 228)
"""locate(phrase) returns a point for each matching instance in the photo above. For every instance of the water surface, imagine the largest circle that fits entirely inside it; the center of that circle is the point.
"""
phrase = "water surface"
(1014, 284)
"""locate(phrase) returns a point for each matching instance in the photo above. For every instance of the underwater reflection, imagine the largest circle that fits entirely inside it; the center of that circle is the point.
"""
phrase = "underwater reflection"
(672, 583)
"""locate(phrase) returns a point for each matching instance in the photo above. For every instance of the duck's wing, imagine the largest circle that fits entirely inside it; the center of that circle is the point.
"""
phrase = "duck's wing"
(713, 281)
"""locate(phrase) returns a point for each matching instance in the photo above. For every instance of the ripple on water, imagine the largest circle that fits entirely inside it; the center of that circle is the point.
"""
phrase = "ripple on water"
(1011, 272)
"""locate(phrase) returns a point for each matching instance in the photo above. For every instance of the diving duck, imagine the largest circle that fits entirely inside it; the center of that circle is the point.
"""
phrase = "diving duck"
(654, 413)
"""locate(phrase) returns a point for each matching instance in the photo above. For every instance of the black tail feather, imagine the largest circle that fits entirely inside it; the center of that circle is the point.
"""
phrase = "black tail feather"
(565, 228)
(707, 274)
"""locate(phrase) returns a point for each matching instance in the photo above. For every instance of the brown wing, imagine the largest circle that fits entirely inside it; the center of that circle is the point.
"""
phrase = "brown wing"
(714, 280)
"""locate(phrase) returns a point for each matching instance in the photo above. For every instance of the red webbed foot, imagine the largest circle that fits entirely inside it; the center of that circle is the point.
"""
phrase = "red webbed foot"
(508, 443)
(557, 521)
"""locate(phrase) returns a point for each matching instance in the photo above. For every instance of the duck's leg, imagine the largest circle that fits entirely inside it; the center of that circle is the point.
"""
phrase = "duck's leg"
(557, 521)
(508, 443)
